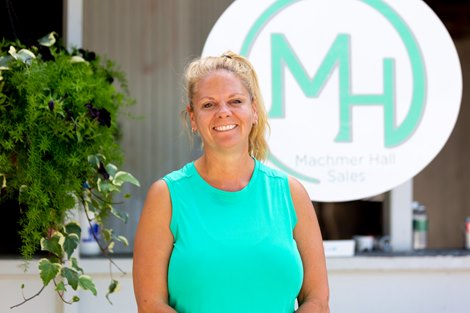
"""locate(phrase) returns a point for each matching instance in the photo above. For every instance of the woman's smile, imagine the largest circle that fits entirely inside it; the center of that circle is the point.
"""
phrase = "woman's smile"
(224, 128)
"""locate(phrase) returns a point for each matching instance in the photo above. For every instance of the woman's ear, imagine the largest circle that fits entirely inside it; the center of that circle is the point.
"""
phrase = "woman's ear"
(190, 112)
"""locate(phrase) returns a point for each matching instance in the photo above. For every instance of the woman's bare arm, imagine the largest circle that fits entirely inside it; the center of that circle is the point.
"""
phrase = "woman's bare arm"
(314, 294)
(152, 250)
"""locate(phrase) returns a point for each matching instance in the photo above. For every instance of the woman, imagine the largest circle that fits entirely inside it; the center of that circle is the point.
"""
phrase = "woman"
(226, 233)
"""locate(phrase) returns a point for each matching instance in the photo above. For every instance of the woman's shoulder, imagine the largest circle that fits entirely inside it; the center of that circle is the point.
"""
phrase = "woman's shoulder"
(294, 184)
(270, 171)
(277, 177)
(180, 174)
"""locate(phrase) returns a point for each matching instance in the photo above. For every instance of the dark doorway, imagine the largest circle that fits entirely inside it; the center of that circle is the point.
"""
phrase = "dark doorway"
(29, 20)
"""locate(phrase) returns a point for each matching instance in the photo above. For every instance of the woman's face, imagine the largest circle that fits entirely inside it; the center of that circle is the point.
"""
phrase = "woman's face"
(223, 112)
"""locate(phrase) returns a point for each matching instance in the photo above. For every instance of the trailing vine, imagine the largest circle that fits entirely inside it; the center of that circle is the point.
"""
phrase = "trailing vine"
(59, 146)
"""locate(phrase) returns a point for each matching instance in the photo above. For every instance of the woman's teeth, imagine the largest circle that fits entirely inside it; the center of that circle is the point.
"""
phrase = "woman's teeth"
(224, 128)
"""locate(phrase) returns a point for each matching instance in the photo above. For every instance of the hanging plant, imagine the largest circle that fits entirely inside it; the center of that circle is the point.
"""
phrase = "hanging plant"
(59, 148)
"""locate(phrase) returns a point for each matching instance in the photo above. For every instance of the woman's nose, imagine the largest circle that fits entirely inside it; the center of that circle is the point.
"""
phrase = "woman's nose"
(224, 110)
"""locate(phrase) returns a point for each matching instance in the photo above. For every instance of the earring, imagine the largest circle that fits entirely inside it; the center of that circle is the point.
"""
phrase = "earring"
(194, 130)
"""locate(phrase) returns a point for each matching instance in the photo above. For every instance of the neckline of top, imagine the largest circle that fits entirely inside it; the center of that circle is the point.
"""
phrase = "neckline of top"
(211, 188)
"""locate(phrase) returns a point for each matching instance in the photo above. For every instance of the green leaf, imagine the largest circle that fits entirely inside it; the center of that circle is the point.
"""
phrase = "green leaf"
(75, 299)
(60, 287)
(70, 244)
(94, 204)
(24, 55)
(107, 234)
(48, 271)
(113, 287)
(73, 228)
(110, 247)
(111, 169)
(77, 59)
(120, 215)
(48, 40)
(123, 240)
(54, 245)
(94, 160)
(71, 275)
(79, 136)
(122, 177)
(104, 186)
(74, 261)
(86, 283)
(4, 62)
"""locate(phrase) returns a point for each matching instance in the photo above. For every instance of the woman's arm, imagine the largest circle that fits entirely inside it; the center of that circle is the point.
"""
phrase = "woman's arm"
(152, 250)
(314, 294)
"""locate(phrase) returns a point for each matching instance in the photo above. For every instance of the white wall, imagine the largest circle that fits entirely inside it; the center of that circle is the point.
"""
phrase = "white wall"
(358, 285)
(12, 277)
(400, 284)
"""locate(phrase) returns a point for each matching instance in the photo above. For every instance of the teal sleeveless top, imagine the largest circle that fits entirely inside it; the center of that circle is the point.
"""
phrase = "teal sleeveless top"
(233, 251)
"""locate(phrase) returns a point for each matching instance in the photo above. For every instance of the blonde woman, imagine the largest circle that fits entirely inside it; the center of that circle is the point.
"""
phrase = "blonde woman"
(226, 233)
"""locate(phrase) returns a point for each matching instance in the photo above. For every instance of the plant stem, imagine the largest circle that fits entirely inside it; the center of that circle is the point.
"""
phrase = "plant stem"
(61, 295)
(28, 299)
(104, 250)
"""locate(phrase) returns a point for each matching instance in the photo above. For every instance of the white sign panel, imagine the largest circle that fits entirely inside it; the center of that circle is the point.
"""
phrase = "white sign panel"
(361, 95)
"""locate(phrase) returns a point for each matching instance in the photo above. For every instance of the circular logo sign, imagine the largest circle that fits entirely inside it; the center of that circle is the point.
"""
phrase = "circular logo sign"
(361, 95)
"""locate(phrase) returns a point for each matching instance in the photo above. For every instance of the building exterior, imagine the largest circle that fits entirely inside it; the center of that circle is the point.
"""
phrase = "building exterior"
(152, 40)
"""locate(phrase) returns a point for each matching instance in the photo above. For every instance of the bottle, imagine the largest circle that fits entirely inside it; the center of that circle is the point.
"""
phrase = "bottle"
(90, 232)
(420, 226)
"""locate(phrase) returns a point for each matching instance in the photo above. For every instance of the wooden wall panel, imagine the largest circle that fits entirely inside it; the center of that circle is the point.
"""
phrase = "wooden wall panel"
(444, 185)
(152, 41)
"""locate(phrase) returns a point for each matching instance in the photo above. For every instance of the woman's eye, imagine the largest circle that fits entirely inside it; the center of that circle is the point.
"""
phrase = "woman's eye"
(236, 101)
(207, 105)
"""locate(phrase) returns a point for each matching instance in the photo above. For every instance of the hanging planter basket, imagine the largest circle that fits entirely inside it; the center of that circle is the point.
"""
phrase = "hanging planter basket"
(59, 151)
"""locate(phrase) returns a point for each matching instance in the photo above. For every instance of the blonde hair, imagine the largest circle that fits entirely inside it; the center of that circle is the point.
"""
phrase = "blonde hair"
(244, 70)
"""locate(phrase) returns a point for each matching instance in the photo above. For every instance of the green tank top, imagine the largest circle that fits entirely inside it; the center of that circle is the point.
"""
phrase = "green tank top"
(233, 251)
